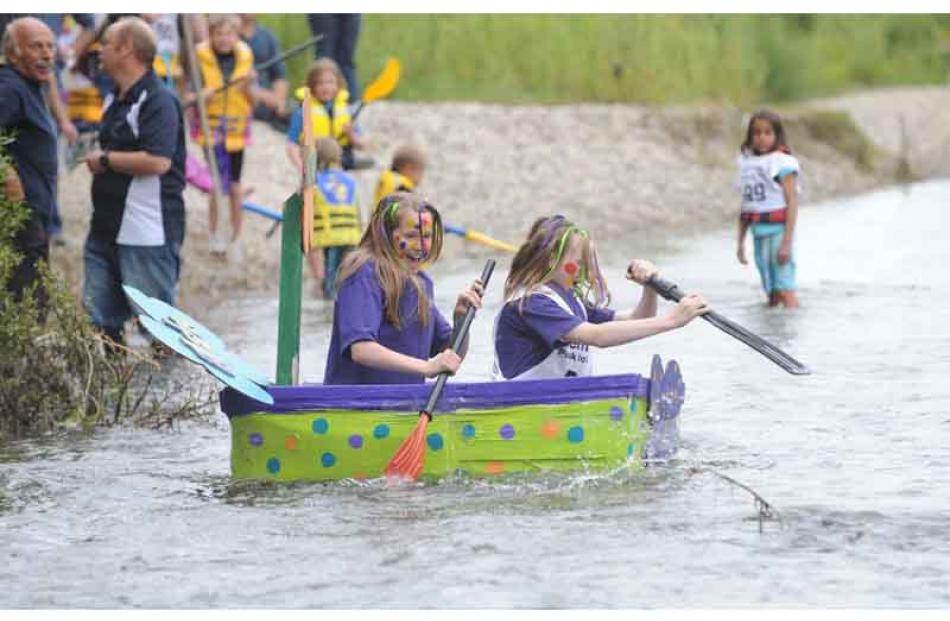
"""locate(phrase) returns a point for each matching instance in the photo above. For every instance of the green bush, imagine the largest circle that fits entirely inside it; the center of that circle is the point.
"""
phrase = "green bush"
(55, 369)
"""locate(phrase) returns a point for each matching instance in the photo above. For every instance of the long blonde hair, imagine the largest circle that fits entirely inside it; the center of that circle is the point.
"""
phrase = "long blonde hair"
(541, 253)
(392, 272)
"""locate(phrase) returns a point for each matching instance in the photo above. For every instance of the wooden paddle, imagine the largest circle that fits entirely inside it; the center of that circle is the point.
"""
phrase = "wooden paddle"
(307, 190)
(669, 291)
(408, 461)
(381, 87)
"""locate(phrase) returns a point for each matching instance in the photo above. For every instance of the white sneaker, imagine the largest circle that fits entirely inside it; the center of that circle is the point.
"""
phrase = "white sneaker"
(217, 245)
(235, 252)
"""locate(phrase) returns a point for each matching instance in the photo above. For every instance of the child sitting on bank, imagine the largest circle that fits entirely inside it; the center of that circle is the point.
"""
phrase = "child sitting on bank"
(386, 327)
(768, 177)
(336, 217)
(405, 173)
(223, 59)
(330, 114)
(556, 307)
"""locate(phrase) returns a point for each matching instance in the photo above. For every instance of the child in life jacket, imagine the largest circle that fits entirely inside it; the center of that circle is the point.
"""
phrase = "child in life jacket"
(556, 307)
(768, 181)
(226, 58)
(337, 224)
(386, 327)
(330, 114)
(405, 173)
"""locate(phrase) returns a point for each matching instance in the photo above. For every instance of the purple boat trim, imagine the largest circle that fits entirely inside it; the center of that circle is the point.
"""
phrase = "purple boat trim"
(412, 397)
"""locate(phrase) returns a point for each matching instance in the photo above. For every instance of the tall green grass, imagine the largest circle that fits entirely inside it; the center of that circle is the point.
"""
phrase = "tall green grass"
(641, 58)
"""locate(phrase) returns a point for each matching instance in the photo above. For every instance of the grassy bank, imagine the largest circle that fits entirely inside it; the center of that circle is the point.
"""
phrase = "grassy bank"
(642, 58)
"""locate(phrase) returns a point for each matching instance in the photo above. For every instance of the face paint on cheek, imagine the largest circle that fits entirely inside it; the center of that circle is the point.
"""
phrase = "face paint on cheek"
(570, 269)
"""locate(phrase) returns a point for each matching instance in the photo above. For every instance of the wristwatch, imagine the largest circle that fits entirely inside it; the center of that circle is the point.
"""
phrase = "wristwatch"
(104, 160)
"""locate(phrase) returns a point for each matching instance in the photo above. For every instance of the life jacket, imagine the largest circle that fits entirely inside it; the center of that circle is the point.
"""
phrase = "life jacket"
(84, 104)
(336, 217)
(229, 110)
(323, 126)
(166, 63)
(763, 199)
(569, 360)
(391, 181)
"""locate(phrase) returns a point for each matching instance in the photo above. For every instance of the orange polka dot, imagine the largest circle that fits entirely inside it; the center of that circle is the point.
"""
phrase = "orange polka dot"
(495, 467)
(290, 443)
(550, 429)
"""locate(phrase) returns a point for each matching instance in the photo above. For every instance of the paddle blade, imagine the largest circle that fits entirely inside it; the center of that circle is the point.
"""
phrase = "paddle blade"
(385, 83)
(407, 463)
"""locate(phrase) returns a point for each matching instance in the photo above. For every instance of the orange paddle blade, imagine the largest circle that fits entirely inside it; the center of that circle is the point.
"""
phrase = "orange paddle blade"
(408, 461)
(384, 84)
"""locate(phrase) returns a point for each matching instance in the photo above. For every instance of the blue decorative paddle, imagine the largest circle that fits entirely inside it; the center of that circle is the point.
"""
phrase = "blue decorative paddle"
(195, 342)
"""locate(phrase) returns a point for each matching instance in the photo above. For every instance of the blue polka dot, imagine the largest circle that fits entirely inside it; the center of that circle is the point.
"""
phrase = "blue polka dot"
(468, 430)
(630, 450)
(507, 432)
(434, 440)
(575, 434)
(320, 425)
(616, 413)
(273, 465)
(381, 431)
(255, 439)
(355, 441)
(328, 459)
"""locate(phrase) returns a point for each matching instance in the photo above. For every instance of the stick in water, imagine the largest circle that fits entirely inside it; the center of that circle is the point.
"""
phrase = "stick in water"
(408, 461)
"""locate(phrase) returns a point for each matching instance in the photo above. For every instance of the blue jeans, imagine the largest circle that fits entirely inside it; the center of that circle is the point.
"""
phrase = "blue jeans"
(153, 270)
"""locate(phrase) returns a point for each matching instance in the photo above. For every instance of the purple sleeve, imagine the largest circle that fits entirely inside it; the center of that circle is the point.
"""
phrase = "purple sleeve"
(599, 315)
(360, 309)
(443, 332)
(548, 320)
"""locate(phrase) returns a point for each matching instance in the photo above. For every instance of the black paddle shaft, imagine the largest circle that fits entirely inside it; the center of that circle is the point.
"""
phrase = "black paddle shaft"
(669, 291)
(457, 339)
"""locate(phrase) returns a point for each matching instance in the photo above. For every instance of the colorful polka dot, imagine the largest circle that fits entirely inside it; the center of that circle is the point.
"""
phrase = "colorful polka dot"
(381, 431)
(616, 413)
(435, 442)
(355, 441)
(507, 432)
(255, 439)
(575, 434)
(495, 467)
(320, 425)
(630, 450)
(468, 431)
(290, 443)
(273, 465)
(328, 459)
(550, 429)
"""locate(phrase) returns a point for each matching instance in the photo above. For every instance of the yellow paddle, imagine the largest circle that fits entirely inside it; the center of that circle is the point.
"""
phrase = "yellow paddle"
(382, 86)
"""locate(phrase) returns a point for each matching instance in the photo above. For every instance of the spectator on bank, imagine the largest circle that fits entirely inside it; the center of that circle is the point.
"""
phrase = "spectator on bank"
(340, 33)
(138, 213)
(272, 85)
(29, 47)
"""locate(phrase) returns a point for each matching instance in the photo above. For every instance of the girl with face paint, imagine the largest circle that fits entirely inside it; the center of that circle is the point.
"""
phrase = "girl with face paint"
(556, 306)
(386, 327)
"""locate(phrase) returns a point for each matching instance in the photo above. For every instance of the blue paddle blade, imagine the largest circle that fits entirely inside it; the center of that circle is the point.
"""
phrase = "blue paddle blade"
(170, 316)
(198, 352)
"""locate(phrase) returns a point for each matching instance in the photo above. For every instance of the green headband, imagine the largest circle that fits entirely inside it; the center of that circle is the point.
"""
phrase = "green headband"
(560, 250)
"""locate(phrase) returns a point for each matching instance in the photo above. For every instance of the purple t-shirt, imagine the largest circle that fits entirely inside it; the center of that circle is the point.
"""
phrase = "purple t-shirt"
(524, 338)
(359, 315)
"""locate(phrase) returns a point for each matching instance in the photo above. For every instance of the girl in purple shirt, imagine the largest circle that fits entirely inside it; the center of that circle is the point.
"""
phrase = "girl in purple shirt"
(386, 328)
(556, 306)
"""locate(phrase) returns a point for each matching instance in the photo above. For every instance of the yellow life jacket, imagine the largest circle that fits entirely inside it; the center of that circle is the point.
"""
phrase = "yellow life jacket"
(336, 217)
(391, 181)
(84, 104)
(231, 107)
(322, 127)
(168, 69)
